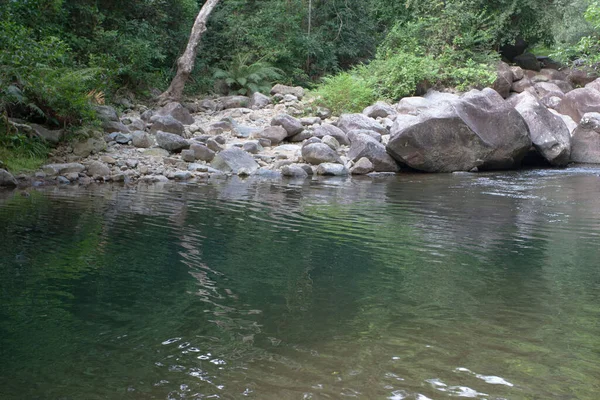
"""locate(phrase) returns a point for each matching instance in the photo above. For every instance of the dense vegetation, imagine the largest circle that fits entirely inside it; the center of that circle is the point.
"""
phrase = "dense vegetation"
(60, 57)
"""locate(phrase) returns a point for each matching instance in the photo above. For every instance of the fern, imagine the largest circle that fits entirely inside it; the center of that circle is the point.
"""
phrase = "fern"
(246, 77)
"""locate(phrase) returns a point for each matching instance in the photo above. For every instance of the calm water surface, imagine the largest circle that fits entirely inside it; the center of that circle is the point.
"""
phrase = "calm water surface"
(483, 286)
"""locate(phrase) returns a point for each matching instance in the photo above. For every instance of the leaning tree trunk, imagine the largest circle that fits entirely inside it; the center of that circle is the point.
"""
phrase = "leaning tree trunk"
(185, 64)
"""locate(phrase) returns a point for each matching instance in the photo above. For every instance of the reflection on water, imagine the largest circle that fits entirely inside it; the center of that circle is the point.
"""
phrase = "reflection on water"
(482, 286)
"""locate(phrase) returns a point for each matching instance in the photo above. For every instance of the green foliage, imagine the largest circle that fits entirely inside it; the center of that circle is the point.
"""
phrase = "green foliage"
(586, 51)
(347, 92)
(245, 77)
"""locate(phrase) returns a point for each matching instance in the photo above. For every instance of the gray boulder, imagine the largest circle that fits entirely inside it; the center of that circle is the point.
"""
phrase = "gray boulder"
(349, 122)
(594, 85)
(166, 123)
(294, 171)
(252, 147)
(331, 142)
(365, 146)
(114, 126)
(579, 78)
(258, 101)
(521, 85)
(283, 90)
(234, 102)
(202, 153)
(331, 130)
(292, 125)
(90, 146)
(355, 133)
(480, 130)
(578, 102)
(50, 136)
(549, 134)
(380, 109)
(236, 161)
(362, 167)
(188, 155)
(413, 105)
(171, 141)
(504, 79)
(178, 112)
(141, 140)
(106, 113)
(548, 89)
(98, 169)
(329, 169)
(7, 179)
(317, 153)
(276, 134)
(586, 140)
(517, 73)
(62, 169)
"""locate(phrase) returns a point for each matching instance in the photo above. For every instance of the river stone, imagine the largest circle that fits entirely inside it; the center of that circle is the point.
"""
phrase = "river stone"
(276, 134)
(579, 78)
(171, 141)
(331, 142)
(166, 123)
(97, 169)
(188, 155)
(548, 89)
(294, 171)
(89, 146)
(50, 136)
(229, 102)
(258, 101)
(578, 102)
(353, 134)
(330, 169)
(331, 130)
(317, 153)
(283, 90)
(504, 79)
(586, 140)
(309, 121)
(480, 130)
(521, 85)
(202, 153)
(302, 136)
(571, 125)
(528, 61)
(292, 125)
(517, 73)
(252, 147)
(435, 96)
(114, 126)
(182, 175)
(214, 145)
(413, 105)
(235, 160)
(380, 109)
(62, 169)
(121, 138)
(176, 111)
(7, 179)
(362, 167)
(549, 134)
(141, 140)
(106, 113)
(349, 122)
(365, 146)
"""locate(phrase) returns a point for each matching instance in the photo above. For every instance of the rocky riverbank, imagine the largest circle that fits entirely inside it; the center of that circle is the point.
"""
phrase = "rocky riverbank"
(529, 115)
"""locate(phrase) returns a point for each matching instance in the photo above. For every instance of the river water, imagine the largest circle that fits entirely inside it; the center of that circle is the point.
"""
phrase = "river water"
(483, 286)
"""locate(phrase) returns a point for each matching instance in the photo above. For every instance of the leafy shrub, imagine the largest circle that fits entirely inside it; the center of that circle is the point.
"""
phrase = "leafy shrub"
(245, 77)
(345, 92)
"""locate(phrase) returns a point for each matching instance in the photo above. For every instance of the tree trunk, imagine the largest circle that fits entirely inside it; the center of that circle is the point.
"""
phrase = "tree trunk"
(185, 64)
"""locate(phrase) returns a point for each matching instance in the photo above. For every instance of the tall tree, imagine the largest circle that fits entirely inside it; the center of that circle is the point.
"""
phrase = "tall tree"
(185, 64)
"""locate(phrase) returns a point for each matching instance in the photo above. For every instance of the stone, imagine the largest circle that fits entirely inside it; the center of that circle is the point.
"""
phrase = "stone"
(312, 140)
(564, 86)
(219, 139)
(283, 90)
(578, 102)
(106, 113)
(171, 141)
(365, 146)
(549, 134)
(131, 163)
(182, 175)
(434, 96)
(480, 130)
(275, 134)
(141, 140)
(348, 122)
(62, 169)
(594, 85)
(252, 147)
(553, 74)
(235, 160)
(517, 73)
(332, 130)
(353, 134)
(302, 136)
(586, 140)
(208, 105)
(7, 179)
(548, 89)
(202, 153)
(63, 180)
(121, 138)
(330, 169)
(89, 146)
(137, 125)
(177, 112)
(309, 121)
(214, 145)
(113, 126)
(504, 79)
(552, 102)
(579, 78)
(521, 85)
(571, 125)
(413, 105)
(294, 171)
(97, 169)
(108, 160)
(289, 98)
(50, 136)
(317, 153)
(528, 61)
(258, 101)
(331, 142)
(323, 113)
(168, 124)
(292, 125)
(147, 115)
(229, 102)
(362, 167)
(188, 155)
(380, 109)
(155, 153)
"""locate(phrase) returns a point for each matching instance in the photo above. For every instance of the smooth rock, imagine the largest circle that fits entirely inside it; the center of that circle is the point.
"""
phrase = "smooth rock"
(293, 171)
(504, 79)
(349, 122)
(202, 152)
(309, 121)
(214, 145)
(578, 102)
(528, 61)
(283, 90)
(168, 124)
(317, 153)
(252, 147)
(276, 134)
(353, 134)
(7, 179)
(97, 169)
(292, 125)
(329, 169)
(50, 136)
(106, 113)
(258, 101)
(365, 146)
(586, 140)
(89, 146)
(171, 141)
(331, 130)
(62, 169)
(178, 112)
(362, 167)
(141, 140)
(331, 142)
(188, 155)
(235, 160)
(413, 105)
(380, 109)
(114, 126)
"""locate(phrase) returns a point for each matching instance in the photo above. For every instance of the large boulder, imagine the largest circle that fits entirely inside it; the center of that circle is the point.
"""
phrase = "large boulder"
(283, 90)
(578, 102)
(549, 134)
(259, 100)
(594, 85)
(480, 130)
(292, 125)
(98, 169)
(114, 126)
(202, 152)
(504, 79)
(317, 153)
(365, 146)
(141, 139)
(166, 123)
(548, 89)
(106, 113)
(51, 136)
(236, 161)
(521, 85)
(330, 130)
(276, 134)
(7, 179)
(349, 122)
(579, 78)
(413, 105)
(380, 109)
(528, 61)
(171, 141)
(586, 140)
(178, 112)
